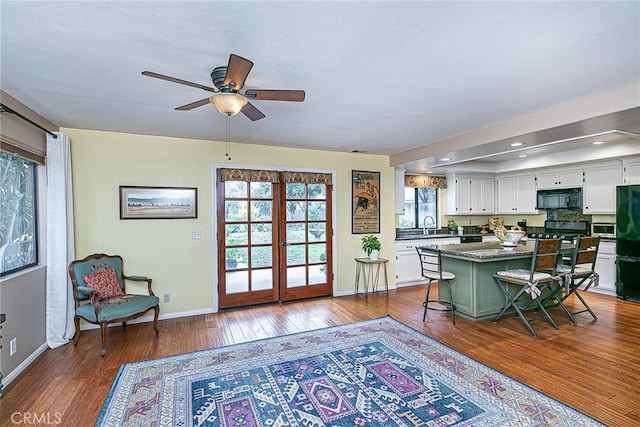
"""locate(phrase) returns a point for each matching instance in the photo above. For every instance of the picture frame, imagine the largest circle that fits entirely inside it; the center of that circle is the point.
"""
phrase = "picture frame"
(140, 202)
(365, 199)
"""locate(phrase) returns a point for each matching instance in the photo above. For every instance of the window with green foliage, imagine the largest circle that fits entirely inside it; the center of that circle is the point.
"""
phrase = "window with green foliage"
(420, 203)
(18, 239)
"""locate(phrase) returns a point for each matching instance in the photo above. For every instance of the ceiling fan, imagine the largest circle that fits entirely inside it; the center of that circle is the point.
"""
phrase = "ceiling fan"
(227, 83)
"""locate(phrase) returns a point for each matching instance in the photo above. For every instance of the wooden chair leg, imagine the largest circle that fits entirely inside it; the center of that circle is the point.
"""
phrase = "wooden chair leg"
(124, 326)
(76, 335)
(103, 334)
(156, 309)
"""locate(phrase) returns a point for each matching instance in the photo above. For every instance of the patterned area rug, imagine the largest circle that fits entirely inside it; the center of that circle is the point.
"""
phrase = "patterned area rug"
(373, 373)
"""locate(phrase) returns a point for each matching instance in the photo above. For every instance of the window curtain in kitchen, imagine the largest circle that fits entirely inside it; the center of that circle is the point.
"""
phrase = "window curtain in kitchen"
(60, 245)
(425, 181)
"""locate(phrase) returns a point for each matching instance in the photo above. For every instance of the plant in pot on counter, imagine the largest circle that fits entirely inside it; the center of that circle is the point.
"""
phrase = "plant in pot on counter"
(371, 246)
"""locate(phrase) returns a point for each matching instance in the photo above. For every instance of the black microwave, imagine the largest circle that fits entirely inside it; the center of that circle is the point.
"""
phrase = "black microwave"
(566, 198)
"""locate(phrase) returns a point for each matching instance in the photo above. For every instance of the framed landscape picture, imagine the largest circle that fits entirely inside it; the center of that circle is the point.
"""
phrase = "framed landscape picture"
(158, 202)
(365, 209)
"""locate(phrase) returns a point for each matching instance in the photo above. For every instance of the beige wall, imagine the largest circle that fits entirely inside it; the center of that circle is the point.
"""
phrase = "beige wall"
(164, 249)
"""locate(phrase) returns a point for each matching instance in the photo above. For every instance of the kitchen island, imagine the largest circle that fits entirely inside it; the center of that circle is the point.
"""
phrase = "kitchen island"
(475, 293)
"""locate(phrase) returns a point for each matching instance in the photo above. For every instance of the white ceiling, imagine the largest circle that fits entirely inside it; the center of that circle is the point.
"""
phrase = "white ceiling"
(380, 77)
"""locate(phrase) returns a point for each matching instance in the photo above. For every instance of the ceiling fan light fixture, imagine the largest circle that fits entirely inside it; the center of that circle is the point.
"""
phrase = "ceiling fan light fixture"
(228, 104)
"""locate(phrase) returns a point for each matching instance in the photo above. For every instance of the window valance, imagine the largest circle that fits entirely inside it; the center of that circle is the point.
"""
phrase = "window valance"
(248, 175)
(425, 181)
(256, 175)
(306, 177)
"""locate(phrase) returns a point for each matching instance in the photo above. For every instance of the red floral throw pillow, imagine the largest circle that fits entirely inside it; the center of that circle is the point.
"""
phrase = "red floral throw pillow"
(104, 282)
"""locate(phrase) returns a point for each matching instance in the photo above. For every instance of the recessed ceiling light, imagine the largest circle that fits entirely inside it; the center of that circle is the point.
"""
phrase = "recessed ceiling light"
(522, 155)
(516, 144)
(598, 142)
(445, 158)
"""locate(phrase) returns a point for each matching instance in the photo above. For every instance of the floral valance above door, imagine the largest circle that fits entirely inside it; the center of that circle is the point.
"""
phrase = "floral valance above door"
(257, 175)
(425, 181)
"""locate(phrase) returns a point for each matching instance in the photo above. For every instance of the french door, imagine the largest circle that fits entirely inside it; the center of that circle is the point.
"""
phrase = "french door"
(274, 237)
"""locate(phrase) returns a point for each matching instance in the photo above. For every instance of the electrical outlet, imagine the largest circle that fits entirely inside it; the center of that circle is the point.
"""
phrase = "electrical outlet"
(196, 234)
(13, 346)
(167, 298)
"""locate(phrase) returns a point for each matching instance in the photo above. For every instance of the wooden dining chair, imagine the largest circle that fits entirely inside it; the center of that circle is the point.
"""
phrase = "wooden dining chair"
(533, 285)
(580, 271)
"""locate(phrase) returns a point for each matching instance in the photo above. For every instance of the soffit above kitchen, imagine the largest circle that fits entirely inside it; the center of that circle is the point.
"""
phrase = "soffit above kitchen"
(382, 77)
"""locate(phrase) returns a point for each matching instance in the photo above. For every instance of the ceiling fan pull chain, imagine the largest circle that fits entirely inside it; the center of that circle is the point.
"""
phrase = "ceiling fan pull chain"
(228, 136)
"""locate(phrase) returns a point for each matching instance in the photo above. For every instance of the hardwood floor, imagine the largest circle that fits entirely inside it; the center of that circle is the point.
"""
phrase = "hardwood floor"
(593, 367)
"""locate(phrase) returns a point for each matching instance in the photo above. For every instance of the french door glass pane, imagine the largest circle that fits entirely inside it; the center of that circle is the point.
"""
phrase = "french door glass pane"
(261, 256)
(317, 231)
(262, 279)
(317, 211)
(233, 189)
(296, 210)
(261, 233)
(237, 257)
(296, 191)
(235, 210)
(317, 252)
(237, 281)
(317, 191)
(295, 232)
(317, 274)
(295, 255)
(261, 190)
(235, 234)
(296, 276)
(261, 211)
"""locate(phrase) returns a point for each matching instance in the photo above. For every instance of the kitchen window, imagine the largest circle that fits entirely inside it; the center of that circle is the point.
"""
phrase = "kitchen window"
(18, 238)
(419, 203)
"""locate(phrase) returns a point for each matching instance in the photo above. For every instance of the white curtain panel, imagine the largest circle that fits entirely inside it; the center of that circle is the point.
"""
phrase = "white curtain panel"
(60, 244)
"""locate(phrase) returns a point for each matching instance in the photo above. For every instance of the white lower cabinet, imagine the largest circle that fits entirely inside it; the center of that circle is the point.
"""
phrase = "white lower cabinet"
(408, 270)
(606, 268)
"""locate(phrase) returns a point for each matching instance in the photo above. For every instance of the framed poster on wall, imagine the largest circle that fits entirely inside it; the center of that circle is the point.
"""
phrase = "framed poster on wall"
(138, 202)
(365, 209)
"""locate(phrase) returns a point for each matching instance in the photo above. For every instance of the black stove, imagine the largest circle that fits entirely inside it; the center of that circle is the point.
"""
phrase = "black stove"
(565, 230)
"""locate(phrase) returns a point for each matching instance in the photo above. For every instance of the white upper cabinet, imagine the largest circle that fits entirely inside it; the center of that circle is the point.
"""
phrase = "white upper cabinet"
(599, 194)
(516, 194)
(399, 191)
(469, 195)
(631, 171)
(565, 178)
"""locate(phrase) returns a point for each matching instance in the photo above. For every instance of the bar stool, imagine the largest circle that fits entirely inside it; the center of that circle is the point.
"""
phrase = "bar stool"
(532, 282)
(431, 265)
(581, 270)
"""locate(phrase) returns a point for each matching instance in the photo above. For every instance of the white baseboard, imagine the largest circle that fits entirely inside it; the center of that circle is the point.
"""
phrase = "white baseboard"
(24, 365)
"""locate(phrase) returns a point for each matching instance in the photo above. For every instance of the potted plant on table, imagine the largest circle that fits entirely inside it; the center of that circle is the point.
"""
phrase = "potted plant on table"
(371, 246)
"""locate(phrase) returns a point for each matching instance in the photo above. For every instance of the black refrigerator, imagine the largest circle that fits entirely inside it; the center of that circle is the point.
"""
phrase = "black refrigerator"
(628, 242)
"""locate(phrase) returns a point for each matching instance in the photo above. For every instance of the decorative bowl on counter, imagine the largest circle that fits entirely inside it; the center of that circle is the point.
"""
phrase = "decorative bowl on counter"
(509, 237)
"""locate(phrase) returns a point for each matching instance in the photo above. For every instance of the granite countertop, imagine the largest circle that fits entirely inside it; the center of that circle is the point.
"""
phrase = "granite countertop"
(436, 236)
(489, 250)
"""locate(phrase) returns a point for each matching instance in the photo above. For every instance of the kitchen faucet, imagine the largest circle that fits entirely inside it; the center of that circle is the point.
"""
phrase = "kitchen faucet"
(424, 223)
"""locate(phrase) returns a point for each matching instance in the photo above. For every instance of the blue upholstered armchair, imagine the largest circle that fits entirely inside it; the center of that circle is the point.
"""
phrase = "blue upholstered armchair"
(100, 294)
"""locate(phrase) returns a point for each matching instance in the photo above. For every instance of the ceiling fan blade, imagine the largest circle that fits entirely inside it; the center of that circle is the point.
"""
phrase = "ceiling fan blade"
(275, 95)
(252, 112)
(175, 80)
(194, 105)
(237, 71)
